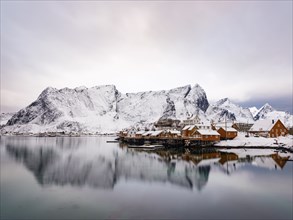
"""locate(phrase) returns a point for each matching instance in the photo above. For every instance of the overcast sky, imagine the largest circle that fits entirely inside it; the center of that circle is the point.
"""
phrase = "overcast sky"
(241, 50)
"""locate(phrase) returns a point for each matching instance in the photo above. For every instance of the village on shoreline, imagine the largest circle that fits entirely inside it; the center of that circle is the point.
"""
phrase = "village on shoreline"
(193, 132)
(266, 133)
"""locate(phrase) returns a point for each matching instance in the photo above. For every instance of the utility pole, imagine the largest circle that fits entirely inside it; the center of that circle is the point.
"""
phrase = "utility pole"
(226, 126)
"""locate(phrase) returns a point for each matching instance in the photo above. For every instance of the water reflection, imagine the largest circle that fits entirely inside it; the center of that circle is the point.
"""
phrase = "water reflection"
(93, 162)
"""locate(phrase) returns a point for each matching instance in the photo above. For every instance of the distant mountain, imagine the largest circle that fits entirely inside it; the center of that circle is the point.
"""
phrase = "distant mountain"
(268, 112)
(104, 109)
(253, 110)
(263, 111)
(225, 109)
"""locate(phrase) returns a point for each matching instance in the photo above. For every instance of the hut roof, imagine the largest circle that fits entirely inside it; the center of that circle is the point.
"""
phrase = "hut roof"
(207, 132)
(229, 129)
(263, 125)
(156, 133)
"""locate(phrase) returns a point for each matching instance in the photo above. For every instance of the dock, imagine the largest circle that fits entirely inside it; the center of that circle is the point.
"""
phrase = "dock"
(166, 141)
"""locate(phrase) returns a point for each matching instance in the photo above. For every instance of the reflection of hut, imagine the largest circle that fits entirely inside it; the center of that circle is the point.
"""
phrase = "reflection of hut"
(274, 161)
(225, 157)
(227, 133)
(280, 161)
(208, 158)
(229, 162)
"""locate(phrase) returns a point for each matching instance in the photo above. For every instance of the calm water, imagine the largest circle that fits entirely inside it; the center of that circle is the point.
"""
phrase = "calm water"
(87, 178)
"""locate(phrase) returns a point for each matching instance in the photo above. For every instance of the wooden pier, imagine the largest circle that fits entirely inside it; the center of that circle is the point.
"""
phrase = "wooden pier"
(166, 141)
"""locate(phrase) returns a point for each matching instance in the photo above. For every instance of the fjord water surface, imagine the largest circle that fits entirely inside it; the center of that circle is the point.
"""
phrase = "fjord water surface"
(87, 178)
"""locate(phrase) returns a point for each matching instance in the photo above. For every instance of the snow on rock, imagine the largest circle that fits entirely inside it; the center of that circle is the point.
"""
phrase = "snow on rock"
(253, 110)
(266, 108)
(170, 110)
(225, 109)
(103, 109)
(4, 117)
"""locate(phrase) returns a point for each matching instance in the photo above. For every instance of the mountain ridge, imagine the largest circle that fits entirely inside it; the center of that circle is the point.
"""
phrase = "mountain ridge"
(103, 109)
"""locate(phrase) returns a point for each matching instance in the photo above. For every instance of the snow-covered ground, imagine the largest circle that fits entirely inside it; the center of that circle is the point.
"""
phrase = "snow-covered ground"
(242, 141)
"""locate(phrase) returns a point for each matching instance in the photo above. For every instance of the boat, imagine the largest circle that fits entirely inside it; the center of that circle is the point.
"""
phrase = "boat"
(147, 146)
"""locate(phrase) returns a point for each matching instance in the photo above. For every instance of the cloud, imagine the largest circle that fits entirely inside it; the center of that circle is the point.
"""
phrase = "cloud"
(233, 49)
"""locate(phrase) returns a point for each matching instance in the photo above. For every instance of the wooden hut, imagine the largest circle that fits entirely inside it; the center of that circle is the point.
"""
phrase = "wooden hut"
(188, 130)
(269, 128)
(172, 134)
(139, 134)
(207, 135)
(227, 133)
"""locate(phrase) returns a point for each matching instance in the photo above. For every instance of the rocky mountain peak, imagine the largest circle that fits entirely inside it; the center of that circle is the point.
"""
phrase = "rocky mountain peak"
(225, 101)
(263, 111)
(225, 109)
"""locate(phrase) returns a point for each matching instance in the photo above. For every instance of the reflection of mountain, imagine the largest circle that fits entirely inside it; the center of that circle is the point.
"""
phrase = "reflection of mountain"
(70, 166)
(36, 161)
(85, 161)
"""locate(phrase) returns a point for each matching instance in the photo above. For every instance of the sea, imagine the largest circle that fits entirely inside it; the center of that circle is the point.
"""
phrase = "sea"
(94, 177)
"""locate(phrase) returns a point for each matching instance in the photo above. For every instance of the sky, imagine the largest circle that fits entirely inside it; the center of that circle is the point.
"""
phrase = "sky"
(236, 49)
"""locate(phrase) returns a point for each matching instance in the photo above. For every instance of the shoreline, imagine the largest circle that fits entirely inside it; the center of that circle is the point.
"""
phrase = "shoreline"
(237, 143)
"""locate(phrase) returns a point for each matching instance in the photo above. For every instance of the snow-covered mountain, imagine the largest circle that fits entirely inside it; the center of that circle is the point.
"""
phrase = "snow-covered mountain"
(253, 110)
(265, 109)
(224, 109)
(268, 112)
(104, 109)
